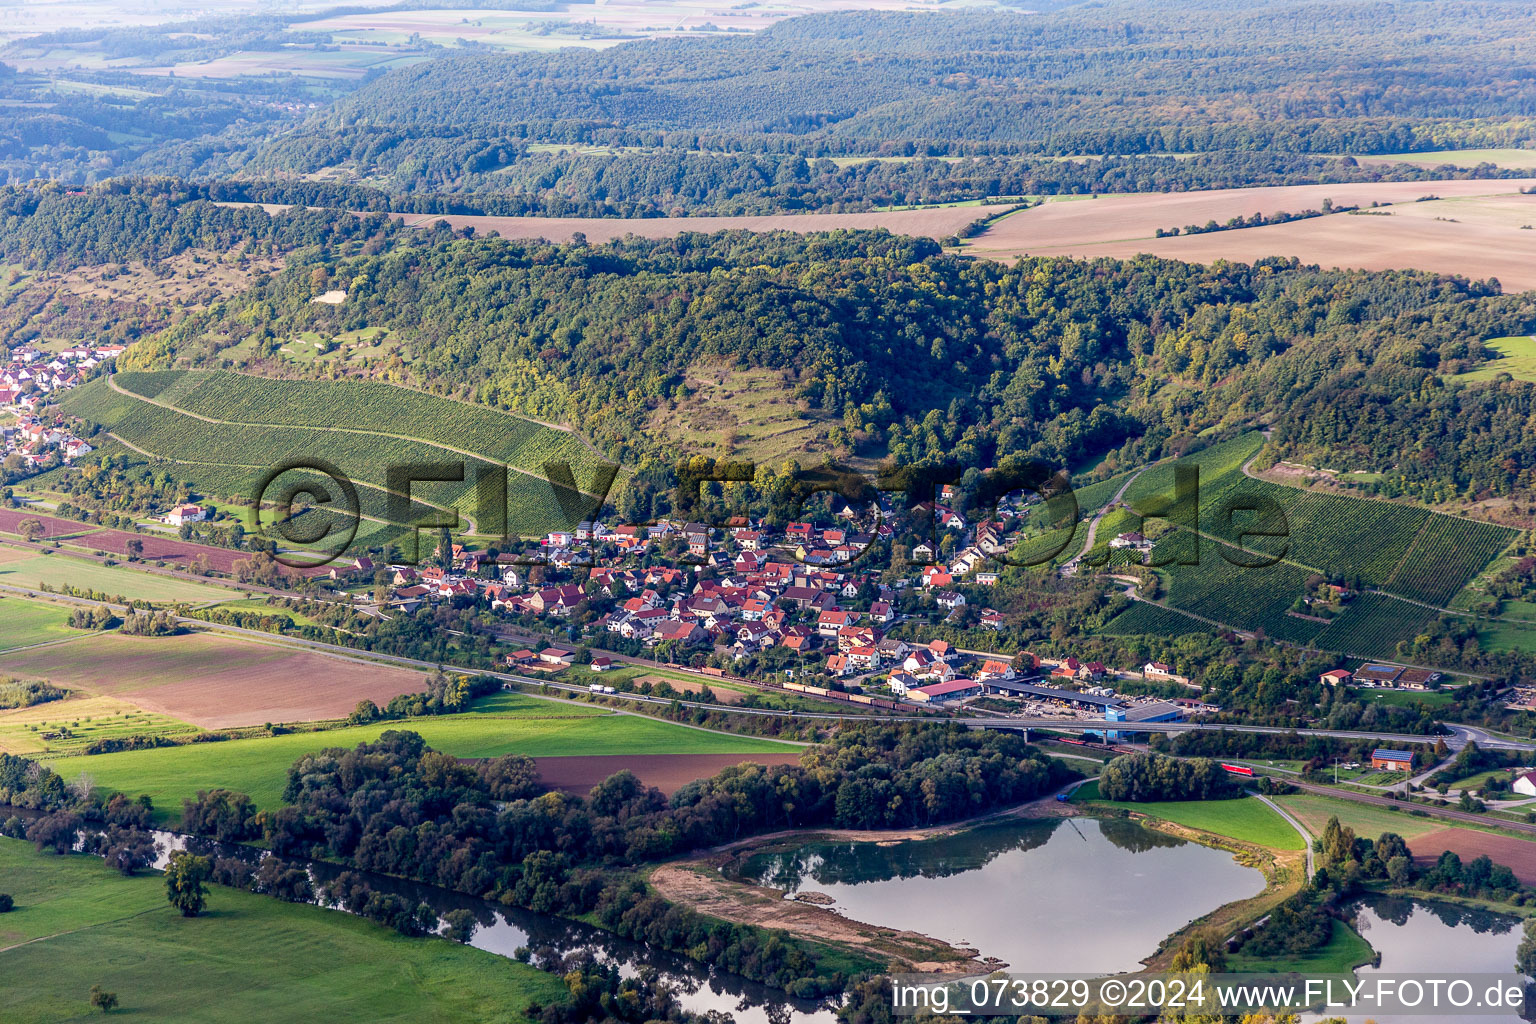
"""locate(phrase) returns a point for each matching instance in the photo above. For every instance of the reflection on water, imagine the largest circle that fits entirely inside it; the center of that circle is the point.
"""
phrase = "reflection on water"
(502, 930)
(1431, 938)
(1064, 895)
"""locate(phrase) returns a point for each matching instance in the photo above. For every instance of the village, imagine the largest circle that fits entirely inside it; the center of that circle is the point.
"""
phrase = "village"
(789, 608)
(33, 379)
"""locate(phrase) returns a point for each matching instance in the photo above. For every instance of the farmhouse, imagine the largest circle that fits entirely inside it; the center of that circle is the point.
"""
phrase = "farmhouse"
(1391, 760)
(1377, 675)
(1336, 677)
(183, 514)
(1417, 678)
(1525, 783)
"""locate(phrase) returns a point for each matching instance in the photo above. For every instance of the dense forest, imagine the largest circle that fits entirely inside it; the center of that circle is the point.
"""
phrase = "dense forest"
(745, 128)
(1365, 77)
(839, 111)
(889, 345)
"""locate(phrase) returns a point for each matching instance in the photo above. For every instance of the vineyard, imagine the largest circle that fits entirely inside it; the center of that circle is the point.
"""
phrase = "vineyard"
(1400, 549)
(1372, 626)
(1245, 598)
(1446, 553)
(230, 460)
(366, 406)
(1142, 619)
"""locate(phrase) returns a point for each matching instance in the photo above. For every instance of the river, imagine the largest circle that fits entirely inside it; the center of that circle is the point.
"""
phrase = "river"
(1073, 895)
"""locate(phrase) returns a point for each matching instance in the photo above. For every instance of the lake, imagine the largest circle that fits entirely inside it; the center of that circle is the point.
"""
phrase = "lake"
(1430, 938)
(1069, 895)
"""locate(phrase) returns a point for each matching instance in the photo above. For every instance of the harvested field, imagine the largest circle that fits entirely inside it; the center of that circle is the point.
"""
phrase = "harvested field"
(216, 682)
(936, 223)
(157, 548)
(1474, 229)
(667, 772)
(722, 694)
(12, 518)
(1519, 855)
(939, 222)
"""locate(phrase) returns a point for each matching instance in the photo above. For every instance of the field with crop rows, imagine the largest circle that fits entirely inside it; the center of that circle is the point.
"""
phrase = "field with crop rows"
(1142, 618)
(1446, 553)
(1402, 549)
(1372, 625)
(370, 405)
(228, 460)
(1247, 598)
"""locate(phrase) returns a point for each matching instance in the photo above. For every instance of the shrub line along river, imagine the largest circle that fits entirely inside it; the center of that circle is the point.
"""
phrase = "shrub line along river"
(1070, 895)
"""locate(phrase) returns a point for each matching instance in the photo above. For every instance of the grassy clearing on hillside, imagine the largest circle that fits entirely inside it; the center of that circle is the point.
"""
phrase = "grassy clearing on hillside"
(510, 723)
(735, 411)
(1244, 819)
(250, 959)
(60, 570)
(1518, 360)
(1507, 636)
(69, 726)
(25, 622)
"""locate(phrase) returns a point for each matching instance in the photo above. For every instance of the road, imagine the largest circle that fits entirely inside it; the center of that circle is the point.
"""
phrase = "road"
(1070, 568)
(1060, 725)
(1306, 837)
(1429, 809)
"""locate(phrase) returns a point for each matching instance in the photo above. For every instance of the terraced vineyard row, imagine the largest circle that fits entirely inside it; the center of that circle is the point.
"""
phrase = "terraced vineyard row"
(1446, 553)
(1143, 619)
(369, 405)
(229, 462)
(1246, 598)
(1372, 625)
(1348, 535)
(1404, 550)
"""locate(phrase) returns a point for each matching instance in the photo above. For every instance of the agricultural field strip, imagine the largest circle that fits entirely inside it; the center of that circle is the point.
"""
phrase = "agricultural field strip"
(112, 382)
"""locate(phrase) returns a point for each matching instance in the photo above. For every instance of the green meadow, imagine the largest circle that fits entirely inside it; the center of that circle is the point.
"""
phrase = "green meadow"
(248, 960)
(60, 570)
(1245, 819)
(1518, 360)
(505, 724)
(24, 622)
